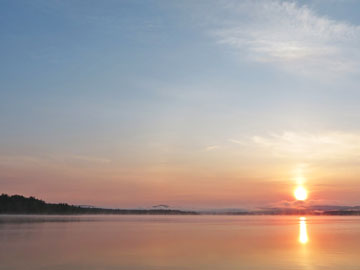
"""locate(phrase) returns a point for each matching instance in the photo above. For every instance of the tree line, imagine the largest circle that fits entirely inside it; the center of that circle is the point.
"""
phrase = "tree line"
(17, 204)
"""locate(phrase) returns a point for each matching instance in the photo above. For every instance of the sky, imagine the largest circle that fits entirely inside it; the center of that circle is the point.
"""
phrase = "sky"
(192, 104)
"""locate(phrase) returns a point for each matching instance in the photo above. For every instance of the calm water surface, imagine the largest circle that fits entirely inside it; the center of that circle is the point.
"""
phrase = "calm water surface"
(179, 242)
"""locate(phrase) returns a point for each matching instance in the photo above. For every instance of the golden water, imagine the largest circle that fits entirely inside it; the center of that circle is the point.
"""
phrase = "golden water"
(179, 242)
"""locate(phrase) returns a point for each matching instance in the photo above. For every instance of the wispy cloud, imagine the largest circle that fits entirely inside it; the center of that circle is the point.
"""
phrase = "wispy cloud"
(292, 37)
(212, 147)
(322, 146)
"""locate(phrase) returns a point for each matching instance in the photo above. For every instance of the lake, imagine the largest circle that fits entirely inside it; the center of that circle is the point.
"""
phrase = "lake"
(179, 242)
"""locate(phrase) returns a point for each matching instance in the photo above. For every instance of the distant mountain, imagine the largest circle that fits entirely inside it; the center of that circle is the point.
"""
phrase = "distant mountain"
(18, 204)
(161, 206)
(226, 211)
(312, 210)
(334, 208)
(309, 210)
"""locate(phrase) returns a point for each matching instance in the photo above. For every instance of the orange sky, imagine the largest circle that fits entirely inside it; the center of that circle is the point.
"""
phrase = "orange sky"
(184, 103)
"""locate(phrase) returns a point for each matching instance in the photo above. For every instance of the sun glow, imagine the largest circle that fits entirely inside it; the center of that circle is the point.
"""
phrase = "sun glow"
(300, 193)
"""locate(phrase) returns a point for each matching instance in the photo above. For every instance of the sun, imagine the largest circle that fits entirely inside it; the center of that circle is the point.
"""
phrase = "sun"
(300, 193)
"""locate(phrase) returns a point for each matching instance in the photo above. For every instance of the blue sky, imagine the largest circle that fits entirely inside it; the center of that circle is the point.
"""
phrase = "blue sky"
(180, 97)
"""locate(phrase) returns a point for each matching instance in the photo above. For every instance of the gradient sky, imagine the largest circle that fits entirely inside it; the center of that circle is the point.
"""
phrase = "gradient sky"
(187, 103)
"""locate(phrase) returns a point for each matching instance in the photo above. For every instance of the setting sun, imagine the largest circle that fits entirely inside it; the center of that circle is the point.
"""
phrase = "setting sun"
(300, 193)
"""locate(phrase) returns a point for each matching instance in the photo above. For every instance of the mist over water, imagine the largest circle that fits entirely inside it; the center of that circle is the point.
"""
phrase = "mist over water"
(179, 242)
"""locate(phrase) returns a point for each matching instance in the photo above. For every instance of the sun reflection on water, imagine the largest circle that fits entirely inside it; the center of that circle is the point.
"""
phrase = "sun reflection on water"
(303, 236)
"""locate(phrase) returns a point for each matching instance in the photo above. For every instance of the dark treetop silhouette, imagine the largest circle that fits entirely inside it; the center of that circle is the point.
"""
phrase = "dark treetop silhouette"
(17, 204)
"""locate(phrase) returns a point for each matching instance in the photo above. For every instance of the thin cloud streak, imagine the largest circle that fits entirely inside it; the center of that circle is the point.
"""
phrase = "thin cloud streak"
(212, 147)
(237, 142)
(322, 146)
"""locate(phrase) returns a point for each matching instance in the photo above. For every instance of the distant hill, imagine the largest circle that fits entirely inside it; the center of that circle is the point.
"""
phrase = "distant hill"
(18, 204)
